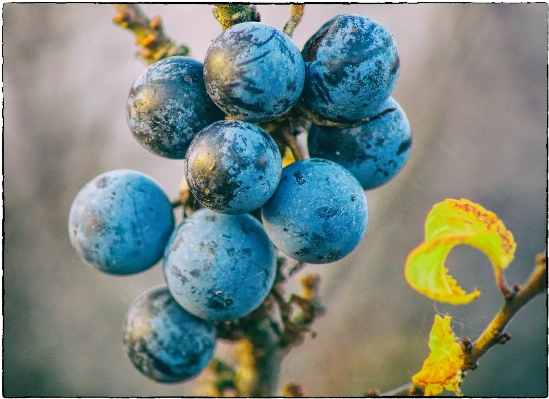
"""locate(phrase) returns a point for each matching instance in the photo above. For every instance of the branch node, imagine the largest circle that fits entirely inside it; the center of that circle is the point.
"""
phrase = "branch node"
(504, 338)
(372, 393)
(467, 344)
(293, 390)
(155, 23)
(415, 391)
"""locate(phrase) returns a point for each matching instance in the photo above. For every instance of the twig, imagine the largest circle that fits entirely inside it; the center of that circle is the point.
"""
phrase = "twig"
(231, 14)
(296, 268)
(494, 334)
(292, 143)
(296, 13)
(149, 33)
(176, 203)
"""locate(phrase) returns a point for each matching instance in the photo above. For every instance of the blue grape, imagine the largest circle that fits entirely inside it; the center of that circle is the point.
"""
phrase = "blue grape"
(168, 105)
(233, 167)
(120, 222)
(164, 341)
(219, 267)
(351, 65)
(254, 72)
(373, 152)
(318, 213)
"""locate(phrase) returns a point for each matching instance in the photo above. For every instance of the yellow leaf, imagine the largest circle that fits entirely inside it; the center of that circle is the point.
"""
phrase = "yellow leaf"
(451, 223)
(442, 369)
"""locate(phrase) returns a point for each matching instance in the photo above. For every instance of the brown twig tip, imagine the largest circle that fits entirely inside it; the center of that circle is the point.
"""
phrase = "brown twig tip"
(121, 19)
(372, 393)
(504, 338)
(310, 283)
(155, 23)
(415, 391)
(292, 390)
(467, 345)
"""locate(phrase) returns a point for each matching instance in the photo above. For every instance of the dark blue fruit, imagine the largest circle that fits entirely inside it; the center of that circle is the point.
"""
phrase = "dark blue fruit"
(373, 152)
(120, 222)
(318, 213)
(219, 267)
(352, 65)
(164, 341)
(233, 167)
(168, 105)
(254, 72)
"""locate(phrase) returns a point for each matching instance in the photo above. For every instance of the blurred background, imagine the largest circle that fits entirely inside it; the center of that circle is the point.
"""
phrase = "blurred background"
(473, 83)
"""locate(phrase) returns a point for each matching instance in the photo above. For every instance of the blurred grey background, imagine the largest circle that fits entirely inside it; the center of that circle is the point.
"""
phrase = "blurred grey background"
(473, 82)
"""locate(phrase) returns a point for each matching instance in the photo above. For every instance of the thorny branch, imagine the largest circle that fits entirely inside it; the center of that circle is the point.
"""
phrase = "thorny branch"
(494, 333)
(149, 34)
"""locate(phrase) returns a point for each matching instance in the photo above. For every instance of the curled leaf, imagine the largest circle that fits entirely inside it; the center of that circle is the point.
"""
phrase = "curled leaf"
(442, 369)
(451, 223)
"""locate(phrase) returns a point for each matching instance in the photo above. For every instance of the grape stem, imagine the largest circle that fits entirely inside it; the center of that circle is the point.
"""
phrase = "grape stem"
(290, 140)
(231, 14)
(149, 33)
(296, 13)
(176, 203)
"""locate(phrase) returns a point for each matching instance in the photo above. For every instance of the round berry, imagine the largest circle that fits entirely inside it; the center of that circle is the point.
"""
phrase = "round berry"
(164, 341)
(352, 65)
(318, 213)
(168, 105)
(233, 167)
(254, 72)
(373, 152)
(120, 222)
(219, 267)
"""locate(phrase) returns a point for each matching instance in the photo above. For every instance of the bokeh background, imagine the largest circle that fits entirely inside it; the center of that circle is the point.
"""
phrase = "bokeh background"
(473, 82)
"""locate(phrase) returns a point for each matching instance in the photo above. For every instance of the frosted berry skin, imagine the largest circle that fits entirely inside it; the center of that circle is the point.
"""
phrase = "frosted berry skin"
(254, 72)
(219, 267)
(318, 213)
(168, 105)
(374, 152)
(352, 65)
(164, 341)
(233, 167)
(120, 222)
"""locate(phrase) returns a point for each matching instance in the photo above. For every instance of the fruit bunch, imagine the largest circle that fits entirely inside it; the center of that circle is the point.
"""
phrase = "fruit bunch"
(223, 117)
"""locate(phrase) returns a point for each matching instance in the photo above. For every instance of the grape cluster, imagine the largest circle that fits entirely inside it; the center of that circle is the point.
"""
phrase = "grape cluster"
(220, 262)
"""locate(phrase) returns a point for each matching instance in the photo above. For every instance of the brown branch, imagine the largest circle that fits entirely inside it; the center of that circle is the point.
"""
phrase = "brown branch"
(296, 13)
(149, 34)
(495, 332)
(292, 144)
